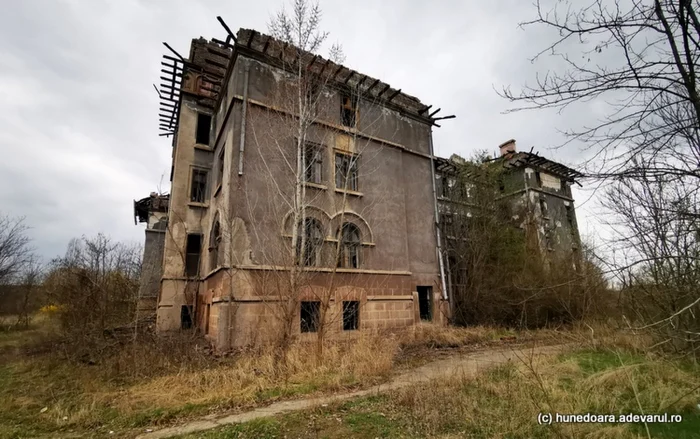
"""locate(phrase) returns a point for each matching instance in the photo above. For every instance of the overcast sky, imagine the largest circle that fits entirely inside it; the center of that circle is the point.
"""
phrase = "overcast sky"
(79, 115)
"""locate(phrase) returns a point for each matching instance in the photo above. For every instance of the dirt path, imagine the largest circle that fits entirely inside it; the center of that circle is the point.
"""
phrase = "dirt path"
(467, 365)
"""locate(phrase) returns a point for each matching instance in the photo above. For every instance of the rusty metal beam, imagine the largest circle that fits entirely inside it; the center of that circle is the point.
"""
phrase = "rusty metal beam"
(174, 51)
(228, 30)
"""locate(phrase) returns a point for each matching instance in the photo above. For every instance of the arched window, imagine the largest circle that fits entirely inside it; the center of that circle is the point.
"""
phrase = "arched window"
(349, 255)
(214, 242)
(311, 238)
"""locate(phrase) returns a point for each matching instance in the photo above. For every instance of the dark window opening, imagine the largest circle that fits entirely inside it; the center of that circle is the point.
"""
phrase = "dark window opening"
(186, 317)
(351, 315)
(313, 164)
(310, 242)
(543, 208)
(349, 254)
(206, 322)
(194, 248)
(538, 178)
(220, 167)
(348, 110)
(310, 314)
(203, 128)
(346, 172)
(214, 241)
(425, 302)
(198, 190)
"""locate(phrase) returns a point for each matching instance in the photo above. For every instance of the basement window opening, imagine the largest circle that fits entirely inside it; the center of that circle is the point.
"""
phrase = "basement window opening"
(351, 315)
(310, 314)
(186, 317)
(203, 128)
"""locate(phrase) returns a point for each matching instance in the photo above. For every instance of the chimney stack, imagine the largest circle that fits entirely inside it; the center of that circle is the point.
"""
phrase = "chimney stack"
(507, 147)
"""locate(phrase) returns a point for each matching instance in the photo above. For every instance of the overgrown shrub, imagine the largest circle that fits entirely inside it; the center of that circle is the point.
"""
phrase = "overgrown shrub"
(95, 289)
(498, 274)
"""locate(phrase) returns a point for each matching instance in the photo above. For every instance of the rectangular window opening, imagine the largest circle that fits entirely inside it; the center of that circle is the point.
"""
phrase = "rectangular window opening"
(313, 164)
(206, 323)
(193, 251)
(425, 295)
(186, 317)
(351, 315)
(310, 314)
(220, 171)
(346, 172)
(203, 128)
(348, 110)
(198, 186)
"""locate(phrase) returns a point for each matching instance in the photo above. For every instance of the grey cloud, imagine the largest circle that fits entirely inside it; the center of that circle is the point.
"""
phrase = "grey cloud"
(78, 131)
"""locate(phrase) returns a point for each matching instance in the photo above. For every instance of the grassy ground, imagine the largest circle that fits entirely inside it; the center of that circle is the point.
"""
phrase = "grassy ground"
(505, 401)
(162, 381)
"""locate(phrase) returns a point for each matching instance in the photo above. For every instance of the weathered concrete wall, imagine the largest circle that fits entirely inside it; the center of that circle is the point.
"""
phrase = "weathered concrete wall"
(392, 206)
(152, 263)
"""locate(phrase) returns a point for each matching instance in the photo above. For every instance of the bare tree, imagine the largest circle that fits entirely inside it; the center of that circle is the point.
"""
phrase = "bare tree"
(496, 270)
(641, 57)
(96, 286)
(658, 257)
(293, 137)
(15, 251)
(29, 285)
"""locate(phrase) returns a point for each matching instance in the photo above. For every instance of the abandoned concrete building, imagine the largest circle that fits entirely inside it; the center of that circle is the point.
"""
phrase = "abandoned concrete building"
(538, 196)
(354, 187)
(367, 187)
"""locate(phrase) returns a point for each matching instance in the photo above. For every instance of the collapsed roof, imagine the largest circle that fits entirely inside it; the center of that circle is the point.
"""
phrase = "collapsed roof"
(213, 59)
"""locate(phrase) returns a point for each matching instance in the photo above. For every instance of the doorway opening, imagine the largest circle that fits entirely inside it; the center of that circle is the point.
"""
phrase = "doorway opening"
(425, 302)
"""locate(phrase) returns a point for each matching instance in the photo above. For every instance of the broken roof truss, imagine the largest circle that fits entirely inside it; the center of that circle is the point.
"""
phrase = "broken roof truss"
(214, 69)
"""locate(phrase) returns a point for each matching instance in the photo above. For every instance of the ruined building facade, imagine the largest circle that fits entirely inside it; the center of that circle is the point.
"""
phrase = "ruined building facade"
(526, 193)
(369, 242)
(367, 254)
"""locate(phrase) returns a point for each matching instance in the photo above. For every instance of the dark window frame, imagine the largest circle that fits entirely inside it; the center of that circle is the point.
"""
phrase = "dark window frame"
(198, 186)
(350, 242)
(351, 315)
(186, 317)
(193, 254)
(313, 238)
(313, 168)
(425, 302)
(203, 137)
(348, 109)
(309, 316)
(346, 170)
(214, 242)
(220, 168)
